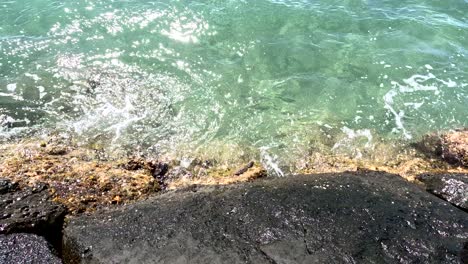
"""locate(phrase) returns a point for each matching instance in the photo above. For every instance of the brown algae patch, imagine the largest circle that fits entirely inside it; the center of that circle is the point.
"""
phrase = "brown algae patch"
(75, 177)
(84, 181)
(408, 161)
(221, 176)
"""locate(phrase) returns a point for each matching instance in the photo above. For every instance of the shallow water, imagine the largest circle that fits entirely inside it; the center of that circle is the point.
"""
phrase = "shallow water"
(233, 80)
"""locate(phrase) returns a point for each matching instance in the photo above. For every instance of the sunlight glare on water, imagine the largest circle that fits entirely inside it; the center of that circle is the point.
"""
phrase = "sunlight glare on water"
(269, 80)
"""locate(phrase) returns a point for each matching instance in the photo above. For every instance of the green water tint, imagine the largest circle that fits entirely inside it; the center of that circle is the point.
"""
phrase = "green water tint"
(235, 80)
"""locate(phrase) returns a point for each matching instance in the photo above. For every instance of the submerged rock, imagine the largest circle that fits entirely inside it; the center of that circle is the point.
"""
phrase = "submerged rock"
(449, 186)
(366, 217)
(245, 168)
(451, 146)
(56, 150)
(26, 248)
(30, 210)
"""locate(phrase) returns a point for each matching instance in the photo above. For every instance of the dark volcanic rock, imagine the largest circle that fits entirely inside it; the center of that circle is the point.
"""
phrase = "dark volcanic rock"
(7, 186)
(30, 210)
(26, 248)
(366, 217)
(244, 169)
(450, 187)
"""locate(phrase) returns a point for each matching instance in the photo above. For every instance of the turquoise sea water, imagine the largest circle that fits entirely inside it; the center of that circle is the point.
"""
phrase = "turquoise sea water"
(264, 79)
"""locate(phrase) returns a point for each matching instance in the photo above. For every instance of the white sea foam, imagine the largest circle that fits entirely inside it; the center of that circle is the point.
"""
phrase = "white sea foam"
(389, 102)
(11, 87)
(270, 163)
(14, 96)
(416, 83)
(348, 142)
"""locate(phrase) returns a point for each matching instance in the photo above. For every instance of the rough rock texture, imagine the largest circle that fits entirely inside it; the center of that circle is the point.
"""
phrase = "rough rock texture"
(7, 186)
(365, 217)
(451, 146)
(450, 187)
(455, 147)
(26, 248)
(30, 210)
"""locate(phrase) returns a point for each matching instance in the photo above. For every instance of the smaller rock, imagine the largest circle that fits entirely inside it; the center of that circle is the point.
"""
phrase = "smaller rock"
(7, 186)
(133, 164)
(26, 248)
(430, 145)
(244, 169)
(56, 150)
(30, 210)
(455, 147)
(159, 171)
(450, 187)
(451, 146)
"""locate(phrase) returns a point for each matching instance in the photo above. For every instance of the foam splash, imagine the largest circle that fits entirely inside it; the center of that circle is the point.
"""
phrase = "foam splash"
(351, 138)
(388, 99)
(270, 162)
(426, 83)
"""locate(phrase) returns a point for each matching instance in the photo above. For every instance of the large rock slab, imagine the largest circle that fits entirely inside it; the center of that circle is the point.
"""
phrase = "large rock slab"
(29, 210)
(365, 217)
(26, 248)
(452, 187)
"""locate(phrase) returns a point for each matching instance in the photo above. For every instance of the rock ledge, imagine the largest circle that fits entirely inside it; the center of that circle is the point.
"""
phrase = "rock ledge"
(366, 217)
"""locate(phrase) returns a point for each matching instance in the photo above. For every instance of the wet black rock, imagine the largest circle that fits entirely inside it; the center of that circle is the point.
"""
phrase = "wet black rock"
(365, 217)
(30, 210)
(159, 171)
(451, 187)
(244, 169)
(7, 186)
(26, 248)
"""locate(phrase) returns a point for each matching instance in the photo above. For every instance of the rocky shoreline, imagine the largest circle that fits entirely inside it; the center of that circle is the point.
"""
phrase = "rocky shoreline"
(85, 180)
(52, 184)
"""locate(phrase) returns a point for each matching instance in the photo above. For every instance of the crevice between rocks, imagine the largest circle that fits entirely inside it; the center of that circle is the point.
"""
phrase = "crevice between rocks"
(29, 210)
(304, 230)
(445, 200)
(266, 256)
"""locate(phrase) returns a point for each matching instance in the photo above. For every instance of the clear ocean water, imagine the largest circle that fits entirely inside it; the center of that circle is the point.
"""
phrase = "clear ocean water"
(272, 80)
